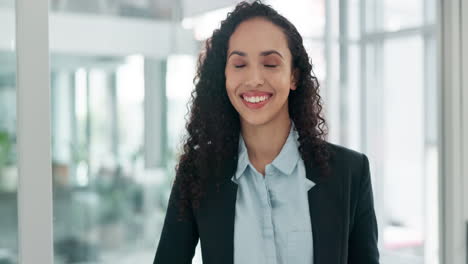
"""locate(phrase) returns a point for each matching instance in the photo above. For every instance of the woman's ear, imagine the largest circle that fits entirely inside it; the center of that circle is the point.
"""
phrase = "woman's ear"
(294, 78)
(293, 86)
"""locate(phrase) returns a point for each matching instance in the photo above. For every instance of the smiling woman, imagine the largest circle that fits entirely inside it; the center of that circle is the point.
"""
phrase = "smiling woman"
(257, 182)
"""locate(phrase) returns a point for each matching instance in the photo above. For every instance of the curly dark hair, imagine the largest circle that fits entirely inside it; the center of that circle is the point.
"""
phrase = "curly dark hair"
(213, 124)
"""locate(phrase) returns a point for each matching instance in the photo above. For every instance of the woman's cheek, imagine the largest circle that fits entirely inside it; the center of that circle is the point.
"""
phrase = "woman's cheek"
(229, 87)
(231, 83)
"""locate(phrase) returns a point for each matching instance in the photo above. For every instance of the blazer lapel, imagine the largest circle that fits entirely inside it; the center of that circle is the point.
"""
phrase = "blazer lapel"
(231, 195)
(326, 215)
(220, 223)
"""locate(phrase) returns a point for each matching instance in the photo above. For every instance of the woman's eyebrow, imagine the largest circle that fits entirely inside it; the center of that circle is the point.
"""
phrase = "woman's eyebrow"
(263, 53)
(268, 52)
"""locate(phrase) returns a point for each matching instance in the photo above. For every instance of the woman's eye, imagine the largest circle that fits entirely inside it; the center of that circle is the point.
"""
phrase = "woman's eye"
(266, 65)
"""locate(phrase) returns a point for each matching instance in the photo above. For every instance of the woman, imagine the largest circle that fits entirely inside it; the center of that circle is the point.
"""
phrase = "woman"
(257, 182)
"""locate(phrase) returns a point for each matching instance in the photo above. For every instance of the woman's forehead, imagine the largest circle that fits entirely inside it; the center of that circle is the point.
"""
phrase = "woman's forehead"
(257, 35)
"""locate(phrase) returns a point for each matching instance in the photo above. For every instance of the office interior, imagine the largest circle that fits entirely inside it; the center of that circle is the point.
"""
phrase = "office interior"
(121, 74)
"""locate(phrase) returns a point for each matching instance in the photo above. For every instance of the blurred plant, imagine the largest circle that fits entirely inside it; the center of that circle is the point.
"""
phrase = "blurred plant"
(75, 250)
(6, 149)
(115, 191)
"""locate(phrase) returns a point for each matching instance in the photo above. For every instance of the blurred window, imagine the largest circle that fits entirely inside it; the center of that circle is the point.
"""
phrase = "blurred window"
(8, 149)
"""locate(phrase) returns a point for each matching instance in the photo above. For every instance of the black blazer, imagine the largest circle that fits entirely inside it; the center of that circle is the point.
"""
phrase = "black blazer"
(341, 207)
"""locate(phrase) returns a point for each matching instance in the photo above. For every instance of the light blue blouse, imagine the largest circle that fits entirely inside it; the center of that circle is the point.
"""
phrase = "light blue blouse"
(272, 220)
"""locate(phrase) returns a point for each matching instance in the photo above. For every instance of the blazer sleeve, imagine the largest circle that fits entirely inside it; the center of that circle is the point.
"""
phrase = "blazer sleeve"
(364, 233)
(179, 237)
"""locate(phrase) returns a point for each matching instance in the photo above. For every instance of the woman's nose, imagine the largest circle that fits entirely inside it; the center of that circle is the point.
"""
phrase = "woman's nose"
(255, 77)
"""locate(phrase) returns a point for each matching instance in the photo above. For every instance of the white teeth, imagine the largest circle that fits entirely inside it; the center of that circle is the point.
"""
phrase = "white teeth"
(256, 99)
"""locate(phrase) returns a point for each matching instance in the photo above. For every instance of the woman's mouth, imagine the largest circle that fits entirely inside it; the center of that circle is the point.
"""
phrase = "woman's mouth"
(256, 100)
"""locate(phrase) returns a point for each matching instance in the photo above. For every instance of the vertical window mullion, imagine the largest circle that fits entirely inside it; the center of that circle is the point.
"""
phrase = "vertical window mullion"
(34, 133)
(452, 240)
(465, 106)
(344, 80)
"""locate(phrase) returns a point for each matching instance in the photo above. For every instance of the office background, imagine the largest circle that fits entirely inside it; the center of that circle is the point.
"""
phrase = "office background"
(120, 75)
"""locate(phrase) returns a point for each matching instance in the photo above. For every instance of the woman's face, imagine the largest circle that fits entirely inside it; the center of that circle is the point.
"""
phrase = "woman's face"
(258, 72)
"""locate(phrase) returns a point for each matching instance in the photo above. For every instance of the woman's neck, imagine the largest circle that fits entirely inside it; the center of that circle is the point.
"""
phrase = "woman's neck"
(265, 142)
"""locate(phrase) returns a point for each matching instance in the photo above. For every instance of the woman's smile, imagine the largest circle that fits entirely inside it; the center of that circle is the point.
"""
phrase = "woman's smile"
(255, 99)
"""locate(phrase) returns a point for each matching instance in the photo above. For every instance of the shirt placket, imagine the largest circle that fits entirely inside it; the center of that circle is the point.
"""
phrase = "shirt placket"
(268, 229)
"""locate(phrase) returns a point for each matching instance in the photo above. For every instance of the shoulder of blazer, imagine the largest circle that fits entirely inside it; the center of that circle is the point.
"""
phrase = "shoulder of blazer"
(344, 157)
(353, 172)
(350, 169)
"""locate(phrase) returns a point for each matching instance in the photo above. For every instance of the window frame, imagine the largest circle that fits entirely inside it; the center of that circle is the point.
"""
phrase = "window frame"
(35, 240)
(453, 145)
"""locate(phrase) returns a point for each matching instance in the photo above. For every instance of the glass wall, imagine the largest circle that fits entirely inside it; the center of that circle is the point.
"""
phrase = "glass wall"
(398, 113)
(105, 202)
(8, 164)
(113, 90)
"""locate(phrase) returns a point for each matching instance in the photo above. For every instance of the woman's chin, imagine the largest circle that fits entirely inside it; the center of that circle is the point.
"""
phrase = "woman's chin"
(255, 120)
